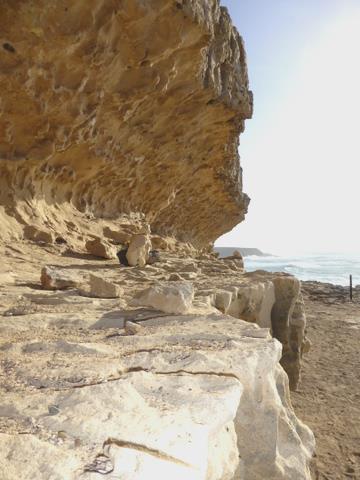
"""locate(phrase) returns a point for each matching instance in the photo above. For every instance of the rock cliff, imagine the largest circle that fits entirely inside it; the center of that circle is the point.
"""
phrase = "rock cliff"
(119, 125)
(121, 108)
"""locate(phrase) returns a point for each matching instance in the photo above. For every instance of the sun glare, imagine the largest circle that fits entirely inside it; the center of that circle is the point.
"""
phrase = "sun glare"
(310, 151)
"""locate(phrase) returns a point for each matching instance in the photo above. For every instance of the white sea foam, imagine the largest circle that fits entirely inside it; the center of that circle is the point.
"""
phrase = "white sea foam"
(330, 268)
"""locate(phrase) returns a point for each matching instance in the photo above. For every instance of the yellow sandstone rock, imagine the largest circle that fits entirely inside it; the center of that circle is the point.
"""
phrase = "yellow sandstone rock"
(113, 108)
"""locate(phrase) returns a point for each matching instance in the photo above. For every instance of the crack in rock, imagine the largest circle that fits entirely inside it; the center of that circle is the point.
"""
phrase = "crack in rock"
(143, 448)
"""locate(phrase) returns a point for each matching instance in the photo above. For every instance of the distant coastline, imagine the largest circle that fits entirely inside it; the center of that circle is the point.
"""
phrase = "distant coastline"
(245, 252)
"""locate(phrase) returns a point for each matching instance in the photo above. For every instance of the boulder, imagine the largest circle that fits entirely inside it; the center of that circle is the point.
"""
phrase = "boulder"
(169, 297)
(103, 289)
(55, 278)
(100, 248)
(139, 249)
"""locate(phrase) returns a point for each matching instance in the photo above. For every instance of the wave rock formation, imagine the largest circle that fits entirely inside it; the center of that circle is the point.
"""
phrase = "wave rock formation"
(122, 107)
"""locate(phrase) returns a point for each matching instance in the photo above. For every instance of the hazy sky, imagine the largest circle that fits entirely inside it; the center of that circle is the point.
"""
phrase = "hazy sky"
(301, 151)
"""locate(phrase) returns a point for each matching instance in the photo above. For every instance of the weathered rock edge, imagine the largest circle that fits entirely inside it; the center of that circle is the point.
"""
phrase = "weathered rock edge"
(171, 400)
(113, 108)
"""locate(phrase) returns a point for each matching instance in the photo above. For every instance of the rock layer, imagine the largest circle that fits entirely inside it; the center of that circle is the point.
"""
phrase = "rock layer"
(112, 108)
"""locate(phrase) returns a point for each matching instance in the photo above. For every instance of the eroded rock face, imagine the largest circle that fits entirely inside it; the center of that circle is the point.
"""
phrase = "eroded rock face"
(180, 399)
(114, 108)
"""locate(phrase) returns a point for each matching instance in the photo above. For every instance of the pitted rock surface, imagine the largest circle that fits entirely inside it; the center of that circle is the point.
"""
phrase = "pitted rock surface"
(121, 108)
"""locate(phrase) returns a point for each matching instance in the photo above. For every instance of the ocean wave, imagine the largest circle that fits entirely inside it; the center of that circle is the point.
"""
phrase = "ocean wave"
(324, 268)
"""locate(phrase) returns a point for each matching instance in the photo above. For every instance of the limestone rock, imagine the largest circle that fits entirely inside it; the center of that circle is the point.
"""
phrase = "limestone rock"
(100, 248)
(197, 397)
(169, 297)
(139, 249)
(287, 289)
(54, 278)
(87, 117)
(298, 343)
(102, 288)
(223, 300)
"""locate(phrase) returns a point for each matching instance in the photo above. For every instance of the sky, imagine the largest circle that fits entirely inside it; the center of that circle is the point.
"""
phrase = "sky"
(300, 152)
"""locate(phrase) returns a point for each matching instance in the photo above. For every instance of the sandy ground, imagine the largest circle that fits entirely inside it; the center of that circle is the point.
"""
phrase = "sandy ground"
(328, 399)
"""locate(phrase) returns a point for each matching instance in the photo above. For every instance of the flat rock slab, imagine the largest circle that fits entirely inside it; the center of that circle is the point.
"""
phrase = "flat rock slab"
(55, 278)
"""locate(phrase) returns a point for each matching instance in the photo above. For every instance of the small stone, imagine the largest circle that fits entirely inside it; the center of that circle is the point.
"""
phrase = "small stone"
(53, 409)
(102, 464)
(132, 328)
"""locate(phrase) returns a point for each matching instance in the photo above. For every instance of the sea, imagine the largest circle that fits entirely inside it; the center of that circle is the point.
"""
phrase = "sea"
(332, 268)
